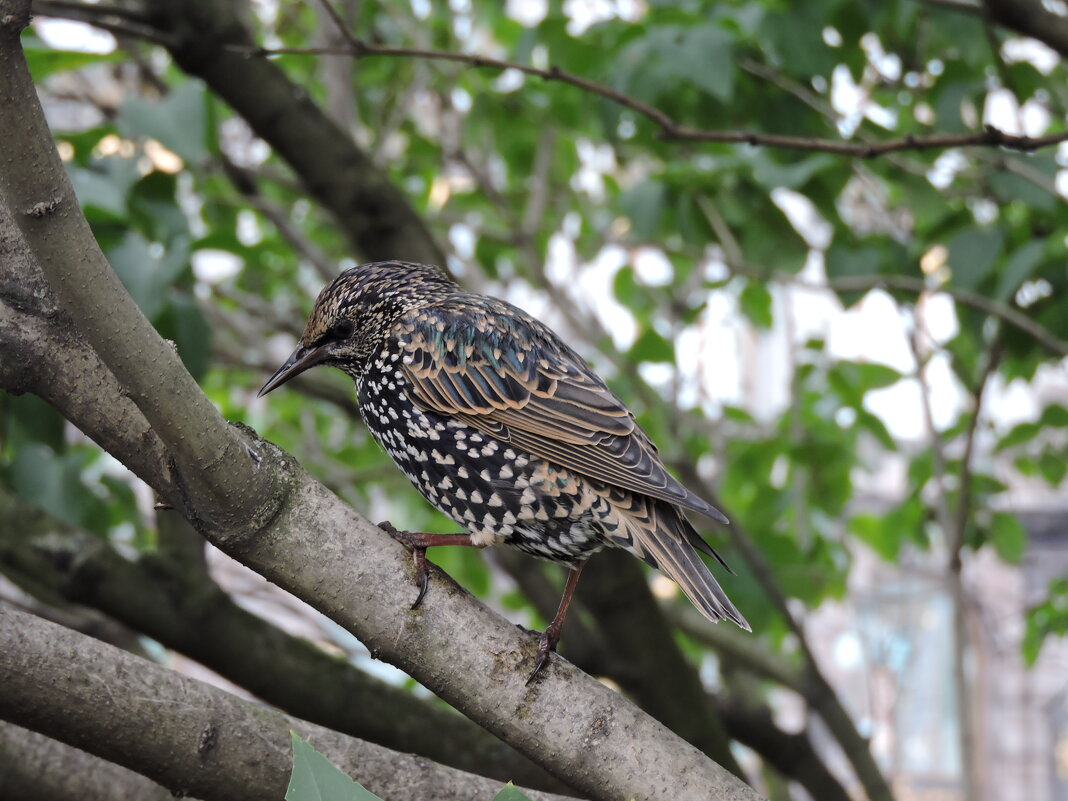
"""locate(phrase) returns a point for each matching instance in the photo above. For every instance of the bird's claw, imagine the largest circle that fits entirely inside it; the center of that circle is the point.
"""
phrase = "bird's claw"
(546, 646)
(422, 569)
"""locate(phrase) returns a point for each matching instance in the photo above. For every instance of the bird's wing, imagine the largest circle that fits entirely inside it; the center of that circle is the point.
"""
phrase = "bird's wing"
(507, 375)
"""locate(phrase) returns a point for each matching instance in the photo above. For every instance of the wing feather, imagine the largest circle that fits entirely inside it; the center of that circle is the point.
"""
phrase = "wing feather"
(510, 377)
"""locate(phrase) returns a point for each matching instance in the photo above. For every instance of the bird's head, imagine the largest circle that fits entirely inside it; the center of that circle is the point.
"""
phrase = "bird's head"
(354, 313)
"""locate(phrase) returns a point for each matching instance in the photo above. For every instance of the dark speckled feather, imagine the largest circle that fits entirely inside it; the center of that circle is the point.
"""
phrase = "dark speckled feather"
(502, 426)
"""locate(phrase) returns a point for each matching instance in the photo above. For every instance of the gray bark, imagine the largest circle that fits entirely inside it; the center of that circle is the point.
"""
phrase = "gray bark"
(38, 767)
(171, 599)
(190, 737)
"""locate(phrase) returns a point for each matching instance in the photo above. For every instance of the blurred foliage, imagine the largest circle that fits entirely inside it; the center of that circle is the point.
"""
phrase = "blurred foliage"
(536, 186)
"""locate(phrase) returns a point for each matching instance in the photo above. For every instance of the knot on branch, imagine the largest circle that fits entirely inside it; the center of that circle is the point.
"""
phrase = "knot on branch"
(14, 16)
(45, 208)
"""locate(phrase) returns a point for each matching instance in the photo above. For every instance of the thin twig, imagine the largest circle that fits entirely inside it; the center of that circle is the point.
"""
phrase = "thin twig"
(341, 25)
(963, 6)
(862, 283)
(907, 283)
(670, 129)
(965, 296)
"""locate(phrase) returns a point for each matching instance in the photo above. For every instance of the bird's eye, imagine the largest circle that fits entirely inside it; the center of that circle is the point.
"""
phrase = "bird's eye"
(342, 329)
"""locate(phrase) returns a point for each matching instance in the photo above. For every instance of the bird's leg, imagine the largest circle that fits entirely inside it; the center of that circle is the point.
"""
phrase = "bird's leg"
(551, 636)
(418, 542)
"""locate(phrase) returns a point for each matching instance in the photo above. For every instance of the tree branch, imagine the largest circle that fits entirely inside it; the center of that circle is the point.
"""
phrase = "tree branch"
(817, 691)
(38, 767)
(659, 677)
(668, 128)
(190, 737)
(43, 353)
(183, 609)
(41, 201)
(792, 755)
(671, 130)
(1031, 18)
(907, 283)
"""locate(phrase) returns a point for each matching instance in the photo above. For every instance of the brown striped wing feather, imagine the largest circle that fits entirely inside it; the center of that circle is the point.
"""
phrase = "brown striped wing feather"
(510, 377)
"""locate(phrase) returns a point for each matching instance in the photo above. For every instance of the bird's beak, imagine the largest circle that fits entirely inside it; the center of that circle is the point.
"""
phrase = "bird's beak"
(299, 361)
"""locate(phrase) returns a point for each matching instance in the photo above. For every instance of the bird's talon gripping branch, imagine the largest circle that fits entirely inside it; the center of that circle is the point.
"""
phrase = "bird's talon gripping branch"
(410, 540)
(546, 646)
(418, 542)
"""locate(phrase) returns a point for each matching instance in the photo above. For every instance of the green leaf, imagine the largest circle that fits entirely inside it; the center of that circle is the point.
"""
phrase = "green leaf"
(511, 793)
(1008, 537)
(842, 261)
(1054, 416)
(874, 426)
(705, 59)
(652, 347)
(644, 205)
(755, 302)
(1046, 618)
(1018, 435)
(875, 532)
(1053, 467)
(144, 272)
(1018, 268)
(973, 254)
(793, 174)
(102, 189)
(179, 121)
(315, 778)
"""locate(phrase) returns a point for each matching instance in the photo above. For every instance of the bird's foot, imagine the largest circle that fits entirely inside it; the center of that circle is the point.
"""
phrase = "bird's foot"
(414, 542)
(546, 646)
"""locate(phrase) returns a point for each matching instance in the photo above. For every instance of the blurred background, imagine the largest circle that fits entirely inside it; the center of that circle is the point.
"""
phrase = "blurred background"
(862, 360)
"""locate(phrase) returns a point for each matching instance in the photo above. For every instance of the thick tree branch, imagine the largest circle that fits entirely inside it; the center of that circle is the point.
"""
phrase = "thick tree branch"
(180, 607)
(1031, 18)
(659, 677)
(208, 458)
(632, 645)
(44, 354)
(188, 736)
(38, 767)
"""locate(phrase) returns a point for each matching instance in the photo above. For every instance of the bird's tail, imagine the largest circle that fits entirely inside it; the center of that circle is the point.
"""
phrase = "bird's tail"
(661, 536)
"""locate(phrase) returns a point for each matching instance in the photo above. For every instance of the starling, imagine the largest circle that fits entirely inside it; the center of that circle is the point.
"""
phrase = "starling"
(504, 428)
